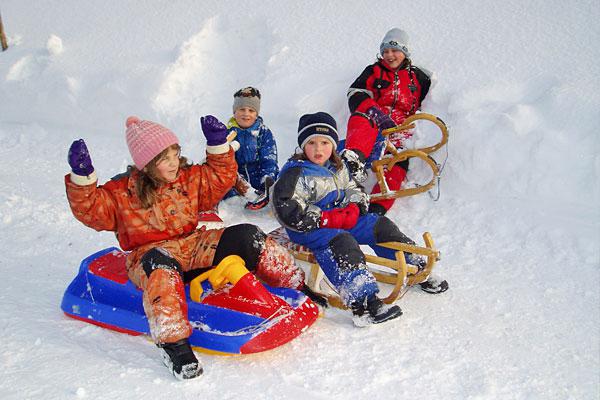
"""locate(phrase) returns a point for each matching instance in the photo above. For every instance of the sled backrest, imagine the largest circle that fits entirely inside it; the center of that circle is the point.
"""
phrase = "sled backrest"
(110, 266)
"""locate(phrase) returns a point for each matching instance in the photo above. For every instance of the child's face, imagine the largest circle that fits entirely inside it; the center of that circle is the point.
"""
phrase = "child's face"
(393, 57)
(245, 117)
(318, 149)
(168, 165)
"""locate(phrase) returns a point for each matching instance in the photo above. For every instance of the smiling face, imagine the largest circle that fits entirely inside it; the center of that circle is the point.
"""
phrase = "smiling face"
(318, 149)
(245, 117)
(393, 57)
(167, 165)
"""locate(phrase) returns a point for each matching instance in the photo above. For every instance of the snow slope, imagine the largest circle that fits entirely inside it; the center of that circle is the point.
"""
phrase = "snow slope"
(518, 222)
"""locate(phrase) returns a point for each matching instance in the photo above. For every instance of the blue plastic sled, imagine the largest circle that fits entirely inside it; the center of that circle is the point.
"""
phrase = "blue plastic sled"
(222, 323)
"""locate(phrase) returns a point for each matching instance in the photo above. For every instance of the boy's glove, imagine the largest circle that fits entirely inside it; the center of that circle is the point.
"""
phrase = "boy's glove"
(214, 130)
(361, 199)
(340, 218)
(79, 159)
(381, 119)
(263, 196)
(355, 161)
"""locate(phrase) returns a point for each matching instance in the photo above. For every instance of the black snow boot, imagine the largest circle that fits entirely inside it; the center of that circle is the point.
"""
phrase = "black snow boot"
(180, 359)
(374, 312)
(376, 208)
(434, 285)
(416, 260)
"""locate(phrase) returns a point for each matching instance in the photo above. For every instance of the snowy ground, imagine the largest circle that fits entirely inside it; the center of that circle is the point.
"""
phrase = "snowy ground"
(518, 222)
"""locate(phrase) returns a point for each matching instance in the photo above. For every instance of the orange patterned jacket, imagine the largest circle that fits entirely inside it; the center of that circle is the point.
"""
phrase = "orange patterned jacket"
(115, 207)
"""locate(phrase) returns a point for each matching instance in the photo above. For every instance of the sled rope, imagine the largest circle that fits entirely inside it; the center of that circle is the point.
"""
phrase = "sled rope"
(436, 197)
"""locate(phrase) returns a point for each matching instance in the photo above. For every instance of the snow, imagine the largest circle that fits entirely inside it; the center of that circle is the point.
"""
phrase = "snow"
(518, 221)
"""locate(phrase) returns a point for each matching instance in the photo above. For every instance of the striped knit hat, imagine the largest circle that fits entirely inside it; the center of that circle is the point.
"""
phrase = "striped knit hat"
(317, 124)
(146, 140)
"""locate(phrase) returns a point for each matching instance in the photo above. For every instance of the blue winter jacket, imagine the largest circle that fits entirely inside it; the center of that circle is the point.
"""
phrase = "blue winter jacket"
(257, 155)
(304, 189)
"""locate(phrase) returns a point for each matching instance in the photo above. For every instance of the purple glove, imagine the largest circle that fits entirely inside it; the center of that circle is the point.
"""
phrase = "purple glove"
(214, 130)
(79, 158)
(382, 120)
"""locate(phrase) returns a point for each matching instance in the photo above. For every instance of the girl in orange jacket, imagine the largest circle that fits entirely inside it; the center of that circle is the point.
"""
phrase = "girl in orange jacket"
(153, 209)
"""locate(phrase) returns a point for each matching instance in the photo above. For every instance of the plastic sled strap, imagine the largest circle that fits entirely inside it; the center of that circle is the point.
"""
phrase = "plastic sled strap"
(230, 270)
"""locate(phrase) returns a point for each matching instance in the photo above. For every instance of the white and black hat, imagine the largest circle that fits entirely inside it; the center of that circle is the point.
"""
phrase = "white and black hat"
(397, 39)
(317, 124)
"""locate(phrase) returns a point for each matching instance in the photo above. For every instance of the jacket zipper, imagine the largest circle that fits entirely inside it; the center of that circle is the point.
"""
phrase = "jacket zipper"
(395, 90)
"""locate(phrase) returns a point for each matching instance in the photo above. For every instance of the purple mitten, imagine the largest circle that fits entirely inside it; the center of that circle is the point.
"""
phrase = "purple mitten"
(382, 120)
(214, 130)
(79, 158)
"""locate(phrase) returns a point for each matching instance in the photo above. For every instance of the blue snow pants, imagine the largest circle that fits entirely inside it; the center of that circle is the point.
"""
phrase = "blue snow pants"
(338, 253)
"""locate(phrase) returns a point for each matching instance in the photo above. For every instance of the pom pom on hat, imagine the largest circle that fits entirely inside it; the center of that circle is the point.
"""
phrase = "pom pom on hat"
(132, 120)
(146, 140)
(397, 39)
(317, 124)
(247, 97)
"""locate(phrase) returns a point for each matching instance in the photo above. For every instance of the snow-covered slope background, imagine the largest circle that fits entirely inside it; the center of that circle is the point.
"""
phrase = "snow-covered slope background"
(518, 221)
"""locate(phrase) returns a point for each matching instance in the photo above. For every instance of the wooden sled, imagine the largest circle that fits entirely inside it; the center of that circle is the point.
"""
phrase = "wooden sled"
(393, 156)
(395, 272)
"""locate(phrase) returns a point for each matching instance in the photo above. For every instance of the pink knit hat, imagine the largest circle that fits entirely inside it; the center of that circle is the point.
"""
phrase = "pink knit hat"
(146, 139)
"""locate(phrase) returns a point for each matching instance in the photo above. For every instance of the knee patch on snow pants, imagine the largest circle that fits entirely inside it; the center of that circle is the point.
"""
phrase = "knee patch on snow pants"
(386, 231)
(244, 240)
(346, 251)
(158, 258)
(267, 259)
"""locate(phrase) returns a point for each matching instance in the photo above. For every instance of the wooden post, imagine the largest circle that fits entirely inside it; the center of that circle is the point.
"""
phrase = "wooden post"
(3, 36)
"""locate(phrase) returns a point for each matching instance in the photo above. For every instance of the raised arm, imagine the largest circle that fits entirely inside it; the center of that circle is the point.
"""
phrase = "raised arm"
(93, 205)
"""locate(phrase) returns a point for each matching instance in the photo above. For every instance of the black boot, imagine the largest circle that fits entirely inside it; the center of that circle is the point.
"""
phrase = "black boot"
(374, 312)
(376, 208)
(415, 260)
(180, 359)
(434, 285)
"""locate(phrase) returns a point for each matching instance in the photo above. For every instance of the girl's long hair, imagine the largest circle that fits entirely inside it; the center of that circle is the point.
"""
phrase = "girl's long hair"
(149, 179)
(334, 158)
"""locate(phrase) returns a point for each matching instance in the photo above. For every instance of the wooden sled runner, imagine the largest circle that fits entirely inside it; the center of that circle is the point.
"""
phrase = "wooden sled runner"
(397, 272)
(393, 156)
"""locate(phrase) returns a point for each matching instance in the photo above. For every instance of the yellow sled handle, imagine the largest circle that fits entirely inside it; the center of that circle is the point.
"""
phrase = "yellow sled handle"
(408, 124)
(230, 270)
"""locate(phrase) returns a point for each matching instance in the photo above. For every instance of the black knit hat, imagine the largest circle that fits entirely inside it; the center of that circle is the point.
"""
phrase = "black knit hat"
(317, 124)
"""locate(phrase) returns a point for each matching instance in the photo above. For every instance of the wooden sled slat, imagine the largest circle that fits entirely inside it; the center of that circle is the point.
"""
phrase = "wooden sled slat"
(393, 272)
(394, 156)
